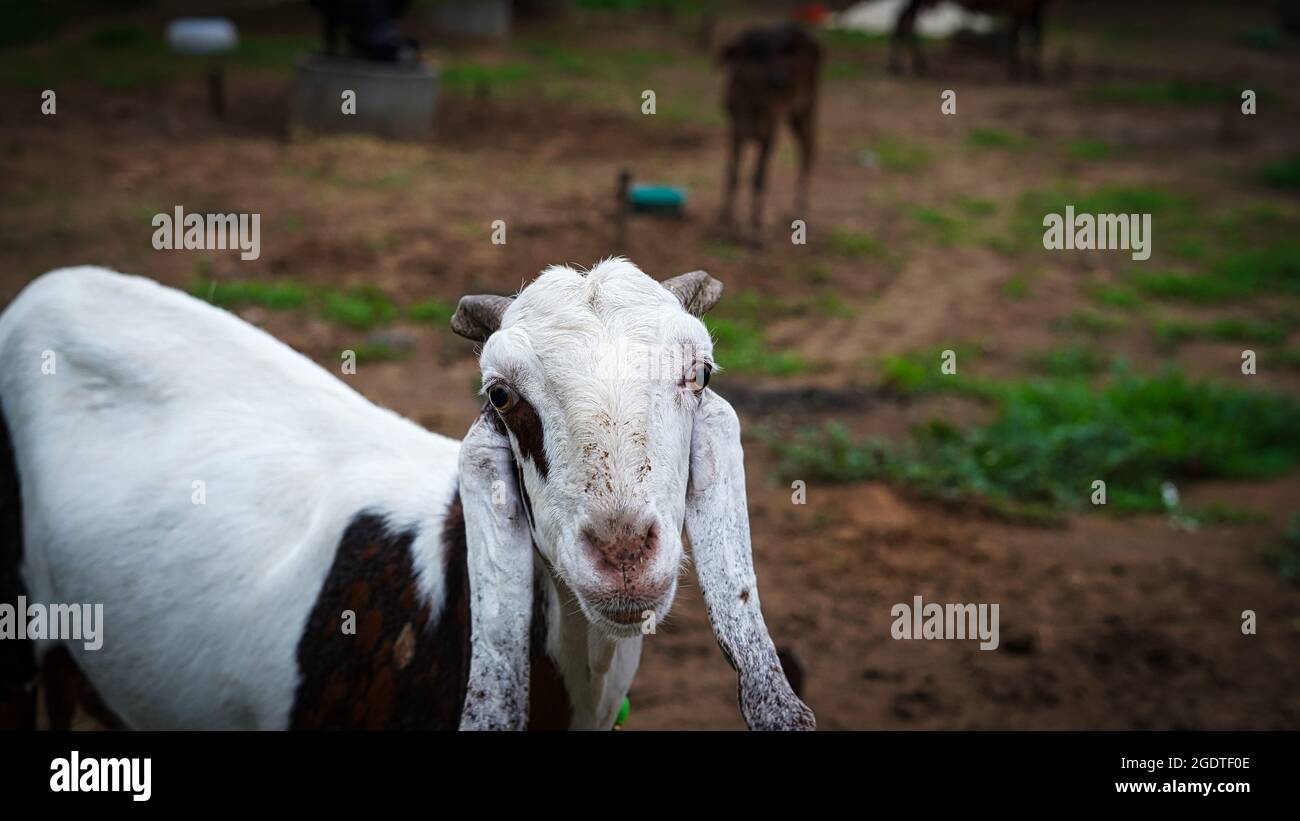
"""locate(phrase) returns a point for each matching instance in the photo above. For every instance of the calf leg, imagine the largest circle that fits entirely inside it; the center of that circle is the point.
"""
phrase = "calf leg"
(760, 183)
(802, 125)
(726, 215)
(1034, 30)
(1013, 46)
(905, 37)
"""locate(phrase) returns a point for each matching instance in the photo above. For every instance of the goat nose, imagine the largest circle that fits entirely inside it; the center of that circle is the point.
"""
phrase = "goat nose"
(621, 547)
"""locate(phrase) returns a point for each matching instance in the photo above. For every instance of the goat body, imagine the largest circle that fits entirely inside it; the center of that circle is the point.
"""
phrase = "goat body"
(271, 550)
(229, 606)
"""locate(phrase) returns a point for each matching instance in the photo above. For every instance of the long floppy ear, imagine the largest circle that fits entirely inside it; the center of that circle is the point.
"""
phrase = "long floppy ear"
(697, 291)
(717, 523)
(479, 315)
(500, 549)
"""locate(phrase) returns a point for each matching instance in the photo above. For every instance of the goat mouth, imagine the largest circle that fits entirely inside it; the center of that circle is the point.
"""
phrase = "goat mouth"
(626, 618)
(635, 616)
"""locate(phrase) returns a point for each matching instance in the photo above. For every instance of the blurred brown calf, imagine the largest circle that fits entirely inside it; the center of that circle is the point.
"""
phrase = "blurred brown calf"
(773, 77)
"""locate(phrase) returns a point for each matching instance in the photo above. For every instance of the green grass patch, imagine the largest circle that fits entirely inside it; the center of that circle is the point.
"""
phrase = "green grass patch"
(1016, 287)
(124, 56)
(1174, 92)
(1173, 212)
(378, 352)
(473, 78)
(1216, 513)
(231, 295)
(1284, 174)
(941, 227)
(1273, 268)
(432, 311)
(1286, 357)
(740, 348)
(750, 305)
(986, 138)
(1113, 296)
(856, 244)
(1073, 361)
(1090, 323)
(1229, 329)
(1050, 439)
(976, 207)
(922, 372)
(359, 308)
(1088, 149)
(899, 155)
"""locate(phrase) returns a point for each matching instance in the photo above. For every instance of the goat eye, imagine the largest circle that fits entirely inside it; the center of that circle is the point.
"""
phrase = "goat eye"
(501, 397)
(700, 377)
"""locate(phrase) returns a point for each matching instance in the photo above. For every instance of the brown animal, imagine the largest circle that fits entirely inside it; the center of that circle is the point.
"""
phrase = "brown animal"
(773, 77)
(1026, 22)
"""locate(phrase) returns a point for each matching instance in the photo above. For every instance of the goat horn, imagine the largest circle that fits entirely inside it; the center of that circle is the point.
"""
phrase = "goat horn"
(479, 315)
(697, 291)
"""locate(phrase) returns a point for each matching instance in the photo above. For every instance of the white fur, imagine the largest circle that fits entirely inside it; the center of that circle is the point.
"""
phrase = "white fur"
(204, 605)
(604, 358)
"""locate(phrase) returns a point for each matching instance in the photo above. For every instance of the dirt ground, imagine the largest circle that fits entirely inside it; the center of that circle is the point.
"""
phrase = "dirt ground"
(1106, 622)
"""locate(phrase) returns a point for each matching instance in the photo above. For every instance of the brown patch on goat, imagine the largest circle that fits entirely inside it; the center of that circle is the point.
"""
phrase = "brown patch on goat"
(17, 657)
(403, 669)
(67, 688)
(549, 706)
(522, 421)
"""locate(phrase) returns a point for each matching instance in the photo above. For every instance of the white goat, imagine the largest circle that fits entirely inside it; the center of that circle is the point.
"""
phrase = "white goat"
(236, 509)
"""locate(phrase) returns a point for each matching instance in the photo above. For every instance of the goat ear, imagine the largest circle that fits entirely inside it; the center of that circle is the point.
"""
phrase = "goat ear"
(717, 524)
(479, 315)
(500, 559)
(697, 291)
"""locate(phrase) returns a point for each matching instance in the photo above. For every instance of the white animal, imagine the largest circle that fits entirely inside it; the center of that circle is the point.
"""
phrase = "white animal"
(273, 551)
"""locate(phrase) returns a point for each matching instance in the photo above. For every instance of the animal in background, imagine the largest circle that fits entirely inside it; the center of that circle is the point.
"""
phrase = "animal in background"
(370, 28)
(1026, 33)
(773, 77)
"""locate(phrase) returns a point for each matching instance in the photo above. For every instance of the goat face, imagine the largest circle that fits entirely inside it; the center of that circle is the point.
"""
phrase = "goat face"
(596, 378)
(599, 414)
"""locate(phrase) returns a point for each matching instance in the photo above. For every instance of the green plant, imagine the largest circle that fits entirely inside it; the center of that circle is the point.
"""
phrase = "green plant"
(996, 138)
(852, 243)
(739, 346)
(1088, 149)
(235, 294)
(432, 311)
(1283, 173)
(900, 155)
(1051, 439)
(360, 308)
